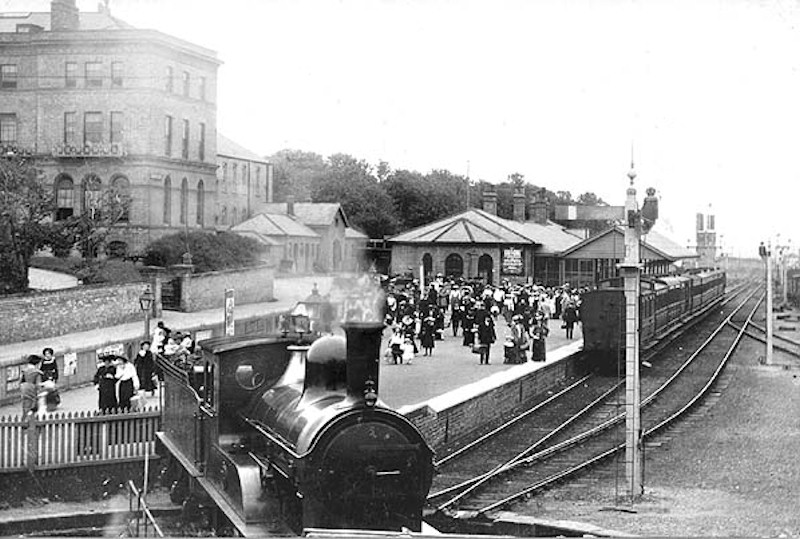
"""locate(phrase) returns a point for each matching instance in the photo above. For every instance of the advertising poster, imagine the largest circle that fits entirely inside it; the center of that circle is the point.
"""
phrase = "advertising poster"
(12, 378)
(70, 364)
(511, 261)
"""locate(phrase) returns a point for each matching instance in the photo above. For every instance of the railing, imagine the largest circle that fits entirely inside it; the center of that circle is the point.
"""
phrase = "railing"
(76, 439)
(143, 520)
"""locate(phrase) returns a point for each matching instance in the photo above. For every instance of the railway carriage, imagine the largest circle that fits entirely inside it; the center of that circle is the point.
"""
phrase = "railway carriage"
(664, 303)
(275, 429)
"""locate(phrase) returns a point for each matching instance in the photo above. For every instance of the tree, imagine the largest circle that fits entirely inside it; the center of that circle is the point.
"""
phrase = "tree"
(350, 182)
(89, 229)
(294, 171)
(26, 208)
(421, 199)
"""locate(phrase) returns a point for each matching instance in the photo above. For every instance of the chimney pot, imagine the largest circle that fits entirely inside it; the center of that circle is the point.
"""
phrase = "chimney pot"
(490, 202)
(519, 206)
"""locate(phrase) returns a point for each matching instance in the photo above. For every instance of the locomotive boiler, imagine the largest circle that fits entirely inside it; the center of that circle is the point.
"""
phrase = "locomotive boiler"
(285, 432)
(664, 304)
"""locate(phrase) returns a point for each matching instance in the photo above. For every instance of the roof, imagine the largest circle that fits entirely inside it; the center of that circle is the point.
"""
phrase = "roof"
(261, 238)
(275, 225)
(478, 226)
(659, 245)
(353, 234)
(88, 21)
(228, 148)
(310, 213)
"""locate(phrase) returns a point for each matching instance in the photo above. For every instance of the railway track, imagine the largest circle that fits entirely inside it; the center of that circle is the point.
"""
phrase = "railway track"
(541, 448)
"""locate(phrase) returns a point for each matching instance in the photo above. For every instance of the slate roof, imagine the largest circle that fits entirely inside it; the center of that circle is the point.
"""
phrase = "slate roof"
(653, 240)
(266, 240)
(309, 213)
(88, 21)
(353, 234)
(228, 148)
(478, 226)
(275, 225)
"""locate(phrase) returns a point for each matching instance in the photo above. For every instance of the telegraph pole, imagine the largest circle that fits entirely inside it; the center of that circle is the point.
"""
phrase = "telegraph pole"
(631, 271)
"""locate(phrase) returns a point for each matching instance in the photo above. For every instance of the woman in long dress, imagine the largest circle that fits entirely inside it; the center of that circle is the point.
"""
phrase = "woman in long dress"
(128, 382)
(30, 378)
(105, 381)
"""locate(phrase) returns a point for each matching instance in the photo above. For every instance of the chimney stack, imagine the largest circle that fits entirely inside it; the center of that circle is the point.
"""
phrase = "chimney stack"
(538, 208)
(290, 205)
(490, 202)
(64, 16)
(519, 205)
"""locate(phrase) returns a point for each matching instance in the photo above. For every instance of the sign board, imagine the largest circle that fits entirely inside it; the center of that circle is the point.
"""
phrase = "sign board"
(511, 262)
(117, 349)
(229, 322)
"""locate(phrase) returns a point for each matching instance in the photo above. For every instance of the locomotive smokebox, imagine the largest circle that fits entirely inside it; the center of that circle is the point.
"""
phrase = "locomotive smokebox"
(363, 359)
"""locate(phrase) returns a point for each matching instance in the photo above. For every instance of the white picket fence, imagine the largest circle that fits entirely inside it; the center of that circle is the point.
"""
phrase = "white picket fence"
(76, 438)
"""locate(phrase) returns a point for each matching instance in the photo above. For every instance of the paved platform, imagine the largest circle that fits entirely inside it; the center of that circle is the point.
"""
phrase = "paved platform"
(450, 367)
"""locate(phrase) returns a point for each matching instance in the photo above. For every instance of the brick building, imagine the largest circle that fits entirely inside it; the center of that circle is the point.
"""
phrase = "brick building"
(101, 104)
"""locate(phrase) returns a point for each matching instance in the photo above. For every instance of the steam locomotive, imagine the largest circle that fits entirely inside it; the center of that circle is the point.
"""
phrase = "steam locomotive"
(285, 432)
(664, 304)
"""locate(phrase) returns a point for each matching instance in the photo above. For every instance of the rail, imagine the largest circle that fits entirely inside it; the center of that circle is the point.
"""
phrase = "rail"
(144, 519)
(76, 439)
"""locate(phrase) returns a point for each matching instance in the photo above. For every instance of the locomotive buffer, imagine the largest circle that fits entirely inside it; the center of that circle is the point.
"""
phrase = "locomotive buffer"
(637, 221)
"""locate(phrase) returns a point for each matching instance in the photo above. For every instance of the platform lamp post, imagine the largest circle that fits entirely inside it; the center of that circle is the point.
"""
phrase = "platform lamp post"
(765, 252)
(146, 301)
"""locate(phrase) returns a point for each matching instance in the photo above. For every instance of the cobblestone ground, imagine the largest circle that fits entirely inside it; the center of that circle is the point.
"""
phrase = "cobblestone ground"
(731, 469)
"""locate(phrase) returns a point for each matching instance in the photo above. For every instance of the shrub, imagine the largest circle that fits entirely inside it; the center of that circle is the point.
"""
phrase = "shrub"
(210, 251)
(111, 271)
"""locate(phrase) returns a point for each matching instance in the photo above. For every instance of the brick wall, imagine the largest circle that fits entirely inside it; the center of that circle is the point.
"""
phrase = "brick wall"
(49, 314)
(461, 419)
(207, 290)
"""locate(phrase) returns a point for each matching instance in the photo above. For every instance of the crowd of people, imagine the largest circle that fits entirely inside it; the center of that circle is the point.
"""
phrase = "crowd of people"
(423, 315)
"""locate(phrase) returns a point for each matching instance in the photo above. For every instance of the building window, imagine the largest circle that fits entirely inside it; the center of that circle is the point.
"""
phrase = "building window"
(8, 128)
(167, 200)
(122, 187)
(201, 202)
(233, 177)
(70, 128)
(185, 140)
(186, 83)
(116, 127)
(94, 75)
(202, 89)
(201, 144)
(8, 76)
(92, 127)
(169, 84)
(184, 200)
(168, 136)
(71, 75)
(65, 197)
(116, 74)
(258, 182)
(224, 216)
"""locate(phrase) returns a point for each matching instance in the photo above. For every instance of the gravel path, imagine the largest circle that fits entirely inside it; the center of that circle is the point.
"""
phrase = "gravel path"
(731, 469)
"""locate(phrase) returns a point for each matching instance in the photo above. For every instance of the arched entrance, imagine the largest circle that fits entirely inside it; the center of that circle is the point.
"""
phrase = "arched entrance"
(486, 269)
(427, 266)
(453, 265)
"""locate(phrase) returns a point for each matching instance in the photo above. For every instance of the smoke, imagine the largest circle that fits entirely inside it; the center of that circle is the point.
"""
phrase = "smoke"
(359, 299)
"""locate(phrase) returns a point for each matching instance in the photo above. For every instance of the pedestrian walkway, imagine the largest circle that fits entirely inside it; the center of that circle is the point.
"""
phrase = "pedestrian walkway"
(288, 291)
(450, 367)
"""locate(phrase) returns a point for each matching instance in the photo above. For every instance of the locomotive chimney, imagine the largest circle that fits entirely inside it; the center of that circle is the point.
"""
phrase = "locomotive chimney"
(363, 359)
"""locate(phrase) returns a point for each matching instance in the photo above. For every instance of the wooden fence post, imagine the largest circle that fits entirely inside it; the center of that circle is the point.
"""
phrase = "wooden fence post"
(33, 442)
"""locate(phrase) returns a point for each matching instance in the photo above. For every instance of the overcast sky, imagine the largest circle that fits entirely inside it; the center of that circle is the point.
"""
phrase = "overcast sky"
(708, 92)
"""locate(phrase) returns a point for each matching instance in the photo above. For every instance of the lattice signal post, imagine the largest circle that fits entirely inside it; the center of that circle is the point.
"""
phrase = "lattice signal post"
(636, 221)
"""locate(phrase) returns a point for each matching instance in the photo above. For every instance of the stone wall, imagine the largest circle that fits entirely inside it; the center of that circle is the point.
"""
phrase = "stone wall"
(458, 415)
(207, 290)
(49, 314)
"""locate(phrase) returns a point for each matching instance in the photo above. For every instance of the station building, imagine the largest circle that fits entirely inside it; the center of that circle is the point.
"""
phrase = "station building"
(99, 104)
(477, 244)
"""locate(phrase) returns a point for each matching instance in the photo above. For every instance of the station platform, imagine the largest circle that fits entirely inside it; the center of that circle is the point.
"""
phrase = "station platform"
(451, 367)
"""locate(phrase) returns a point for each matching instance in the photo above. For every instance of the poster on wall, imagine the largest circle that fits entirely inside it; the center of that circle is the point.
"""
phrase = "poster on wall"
(70, 363)
(511, 261)
(12, 378)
